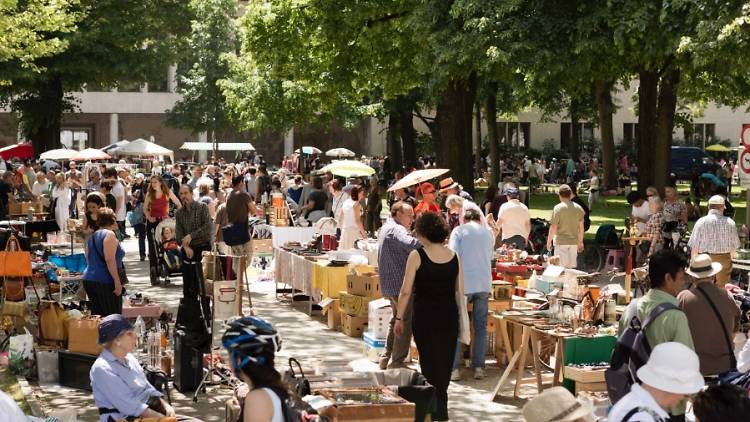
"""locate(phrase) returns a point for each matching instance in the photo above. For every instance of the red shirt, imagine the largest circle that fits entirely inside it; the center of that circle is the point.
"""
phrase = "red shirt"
(426, 207)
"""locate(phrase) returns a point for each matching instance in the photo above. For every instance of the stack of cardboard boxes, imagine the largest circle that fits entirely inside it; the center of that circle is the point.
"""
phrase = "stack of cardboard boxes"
(361, 289)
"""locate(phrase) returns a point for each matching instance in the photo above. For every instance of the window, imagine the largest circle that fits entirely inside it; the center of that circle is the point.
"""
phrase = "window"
(703, 133)
(630, 131)
(129, 87)
(159, 82)
(517, 134)
(75, 138)
(586, 131)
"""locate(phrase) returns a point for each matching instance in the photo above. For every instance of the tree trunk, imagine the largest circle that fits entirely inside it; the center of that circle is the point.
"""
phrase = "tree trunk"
(478, 141)
(490, 112)
(605, 109)
(408, 134)
(575, 141)
(394, 140)
(454, 119)
(647, 107)
(665, 127)
(45, 111)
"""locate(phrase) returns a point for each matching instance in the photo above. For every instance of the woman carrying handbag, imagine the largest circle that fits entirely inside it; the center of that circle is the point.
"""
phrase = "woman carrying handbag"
(103, 278)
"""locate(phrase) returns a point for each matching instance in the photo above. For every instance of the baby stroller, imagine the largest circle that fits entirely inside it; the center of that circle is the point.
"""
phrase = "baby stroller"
(168, 259)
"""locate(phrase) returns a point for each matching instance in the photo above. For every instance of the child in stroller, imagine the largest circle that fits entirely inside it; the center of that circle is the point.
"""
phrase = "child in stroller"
(171, 249)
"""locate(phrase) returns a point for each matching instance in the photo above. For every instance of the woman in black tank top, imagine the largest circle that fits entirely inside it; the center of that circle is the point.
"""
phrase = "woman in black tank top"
(435, 319)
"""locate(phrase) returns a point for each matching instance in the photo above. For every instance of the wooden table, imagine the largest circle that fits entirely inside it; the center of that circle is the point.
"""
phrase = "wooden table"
(568, 349)
(530, 336)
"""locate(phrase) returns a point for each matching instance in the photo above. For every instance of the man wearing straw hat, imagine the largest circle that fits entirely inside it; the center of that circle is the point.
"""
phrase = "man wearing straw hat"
(711, 315)
(716, 235)
(669, 377)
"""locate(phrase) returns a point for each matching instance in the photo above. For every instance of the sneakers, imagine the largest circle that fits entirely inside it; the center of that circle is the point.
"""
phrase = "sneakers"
(383, 363)
(478, 373)
(456, 375)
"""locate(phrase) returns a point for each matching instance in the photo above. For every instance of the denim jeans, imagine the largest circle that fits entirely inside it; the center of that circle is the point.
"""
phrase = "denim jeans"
(480, 302)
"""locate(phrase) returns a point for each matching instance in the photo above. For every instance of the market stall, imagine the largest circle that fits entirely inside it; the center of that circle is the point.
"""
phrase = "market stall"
(309, 273)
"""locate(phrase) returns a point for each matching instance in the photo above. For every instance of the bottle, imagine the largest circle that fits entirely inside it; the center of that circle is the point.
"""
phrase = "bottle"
(532, 280)
(743, 235)
(140, 330)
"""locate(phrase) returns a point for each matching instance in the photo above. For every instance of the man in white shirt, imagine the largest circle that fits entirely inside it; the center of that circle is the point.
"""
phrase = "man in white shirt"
(671, 374)
(41, 185)
(514, 220)
(118, 191)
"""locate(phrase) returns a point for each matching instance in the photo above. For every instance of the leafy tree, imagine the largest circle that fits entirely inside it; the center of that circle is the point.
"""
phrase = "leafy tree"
(118, 42)
(24, 27)
(202, 106)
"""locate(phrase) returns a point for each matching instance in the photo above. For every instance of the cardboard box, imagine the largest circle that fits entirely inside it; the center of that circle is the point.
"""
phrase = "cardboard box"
(331, 309)
(502, 290)
(353, 304)
(379, 316)
(372, 340)
(264, 246)
(363, 285)
(373, 353)
(590, 386)
(580, 375)
(353, 326)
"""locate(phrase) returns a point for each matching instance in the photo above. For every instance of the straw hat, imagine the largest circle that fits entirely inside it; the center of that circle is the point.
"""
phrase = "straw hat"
(674, 368)
(447, 183)
(702, 267)
(555, 404)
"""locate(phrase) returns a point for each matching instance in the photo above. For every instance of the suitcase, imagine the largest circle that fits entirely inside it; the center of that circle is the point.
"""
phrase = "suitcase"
(194, 323)
(188, 363)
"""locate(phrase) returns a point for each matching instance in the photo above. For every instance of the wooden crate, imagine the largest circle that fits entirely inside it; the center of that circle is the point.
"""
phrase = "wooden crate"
(583, 375)
(398, 411)
(591, 386)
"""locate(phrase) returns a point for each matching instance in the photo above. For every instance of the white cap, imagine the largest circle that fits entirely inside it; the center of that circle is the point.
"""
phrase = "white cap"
(673, 368)
(716, 200)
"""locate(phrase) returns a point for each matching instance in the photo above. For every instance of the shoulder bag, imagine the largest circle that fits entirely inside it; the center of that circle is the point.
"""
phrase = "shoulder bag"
(120, 270)
(15, 262)
(235, 234)
(52, 319)
(14, 289)
(301, 386)
(732, 359)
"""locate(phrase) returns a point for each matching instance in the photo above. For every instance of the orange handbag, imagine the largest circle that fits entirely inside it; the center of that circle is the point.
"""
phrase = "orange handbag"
(13, 261)
(14, 289)
(83, 335)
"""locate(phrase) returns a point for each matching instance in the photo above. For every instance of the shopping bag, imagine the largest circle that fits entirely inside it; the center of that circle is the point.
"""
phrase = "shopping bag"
(14, 309)
(226, 299)
(21, 353)
(52, 319)
(13, 261)
(83, 335)
(464, 330)
(14, 289)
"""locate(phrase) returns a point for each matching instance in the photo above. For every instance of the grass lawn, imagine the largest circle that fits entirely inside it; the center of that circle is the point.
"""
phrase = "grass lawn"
(10, 387)
(541, 204)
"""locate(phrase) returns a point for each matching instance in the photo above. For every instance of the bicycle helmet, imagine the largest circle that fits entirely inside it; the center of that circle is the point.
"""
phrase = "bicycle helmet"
(251, 339)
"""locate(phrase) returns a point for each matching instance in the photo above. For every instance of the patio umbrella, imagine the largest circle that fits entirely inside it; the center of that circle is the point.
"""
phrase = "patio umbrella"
(49, 164)
(90, 154)
(308, 150)
(340, 152)
(717, 148)
(348, 168)
(58, 154)
(416, 177)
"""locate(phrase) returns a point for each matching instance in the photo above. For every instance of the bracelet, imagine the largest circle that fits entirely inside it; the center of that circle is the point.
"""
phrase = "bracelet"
(397, 318)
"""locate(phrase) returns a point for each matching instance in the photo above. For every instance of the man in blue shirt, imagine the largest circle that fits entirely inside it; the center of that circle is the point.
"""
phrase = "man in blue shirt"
(474, 245)
(394, 245)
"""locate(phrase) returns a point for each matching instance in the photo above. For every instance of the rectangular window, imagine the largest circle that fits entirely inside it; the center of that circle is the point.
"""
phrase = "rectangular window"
(129, 87)
(502, 133)
(159, 82)
(76, 138)
(630, 131)
(566, 133)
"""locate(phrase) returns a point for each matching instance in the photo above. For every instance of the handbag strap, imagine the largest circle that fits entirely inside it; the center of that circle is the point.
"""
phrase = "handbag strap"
(732, 359)
(14, 239)
(291, 368)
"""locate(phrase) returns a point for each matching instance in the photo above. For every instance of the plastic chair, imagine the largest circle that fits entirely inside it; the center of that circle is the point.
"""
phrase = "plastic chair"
(615, 259)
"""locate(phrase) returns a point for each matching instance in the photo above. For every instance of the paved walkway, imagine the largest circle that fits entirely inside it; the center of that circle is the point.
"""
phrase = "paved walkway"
(308, 339)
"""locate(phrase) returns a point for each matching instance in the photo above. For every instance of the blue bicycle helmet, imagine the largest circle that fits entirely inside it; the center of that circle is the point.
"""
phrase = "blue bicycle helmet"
(251, 339)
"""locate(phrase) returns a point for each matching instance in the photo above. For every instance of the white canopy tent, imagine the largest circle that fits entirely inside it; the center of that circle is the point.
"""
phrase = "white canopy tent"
(142, 147)
(221, 146)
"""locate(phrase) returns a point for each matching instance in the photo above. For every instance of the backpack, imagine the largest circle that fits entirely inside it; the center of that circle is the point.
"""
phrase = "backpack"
(631, 352)
(606, 235)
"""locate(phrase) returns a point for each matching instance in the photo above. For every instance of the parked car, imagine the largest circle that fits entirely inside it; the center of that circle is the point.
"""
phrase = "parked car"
(684, 159)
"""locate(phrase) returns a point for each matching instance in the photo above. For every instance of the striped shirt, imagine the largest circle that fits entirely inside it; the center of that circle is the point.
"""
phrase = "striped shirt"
(714, 234)
(394, 246)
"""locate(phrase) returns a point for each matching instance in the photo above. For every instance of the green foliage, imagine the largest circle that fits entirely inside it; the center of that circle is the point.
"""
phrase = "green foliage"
(202, 106)
(115, 42)
(29, 30)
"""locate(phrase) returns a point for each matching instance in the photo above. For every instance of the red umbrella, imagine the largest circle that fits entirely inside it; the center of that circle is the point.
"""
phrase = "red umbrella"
(91, 154)
(22, 151)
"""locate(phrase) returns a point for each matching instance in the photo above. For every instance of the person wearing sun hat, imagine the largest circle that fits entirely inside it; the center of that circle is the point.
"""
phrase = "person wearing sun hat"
(556, 404)
(666, 380)
(716, 235)
(427, 202)
(711, 315)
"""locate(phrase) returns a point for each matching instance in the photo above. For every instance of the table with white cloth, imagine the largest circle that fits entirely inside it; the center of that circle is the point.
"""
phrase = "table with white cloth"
(314, 278)
(282, 235)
